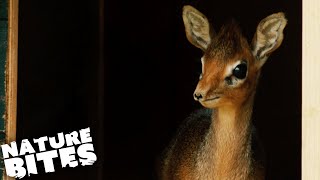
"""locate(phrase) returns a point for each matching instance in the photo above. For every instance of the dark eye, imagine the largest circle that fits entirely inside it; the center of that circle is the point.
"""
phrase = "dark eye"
(240, 71)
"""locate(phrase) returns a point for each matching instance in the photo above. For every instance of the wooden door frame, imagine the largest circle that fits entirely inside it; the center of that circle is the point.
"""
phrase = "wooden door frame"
(310, 90)
(12, 71)
(11, 74)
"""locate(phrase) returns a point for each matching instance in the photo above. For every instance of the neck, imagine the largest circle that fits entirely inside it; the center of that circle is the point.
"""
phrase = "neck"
(231, 139)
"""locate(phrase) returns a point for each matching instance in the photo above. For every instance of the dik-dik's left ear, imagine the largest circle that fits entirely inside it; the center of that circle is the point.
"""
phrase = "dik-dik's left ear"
(268, 37)
(197, 27)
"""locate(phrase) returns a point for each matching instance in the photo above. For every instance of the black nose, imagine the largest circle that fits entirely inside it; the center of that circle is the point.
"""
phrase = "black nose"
(197, 96)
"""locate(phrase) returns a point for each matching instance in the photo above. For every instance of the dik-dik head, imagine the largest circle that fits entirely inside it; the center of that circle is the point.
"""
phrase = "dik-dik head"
(230, 65)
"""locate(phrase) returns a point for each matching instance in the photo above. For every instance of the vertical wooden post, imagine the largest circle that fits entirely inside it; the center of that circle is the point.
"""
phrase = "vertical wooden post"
(311, 91)
(12, 73)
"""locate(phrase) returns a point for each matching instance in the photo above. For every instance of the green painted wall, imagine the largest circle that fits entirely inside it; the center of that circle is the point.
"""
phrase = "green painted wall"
(3, 56)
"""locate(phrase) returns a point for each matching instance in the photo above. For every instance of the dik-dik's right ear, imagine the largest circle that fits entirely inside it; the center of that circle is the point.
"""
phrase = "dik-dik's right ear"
(268, 37)
(197, 27)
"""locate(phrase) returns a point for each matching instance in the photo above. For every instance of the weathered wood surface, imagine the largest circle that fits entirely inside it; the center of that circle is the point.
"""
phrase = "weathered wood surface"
(8, 73)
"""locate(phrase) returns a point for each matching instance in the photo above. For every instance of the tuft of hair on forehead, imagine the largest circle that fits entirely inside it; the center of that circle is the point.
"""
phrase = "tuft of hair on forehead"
(227, 43)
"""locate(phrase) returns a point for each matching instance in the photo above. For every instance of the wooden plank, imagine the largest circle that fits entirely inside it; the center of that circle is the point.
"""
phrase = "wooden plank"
(311, 91)
(12, 70)
(11, 73)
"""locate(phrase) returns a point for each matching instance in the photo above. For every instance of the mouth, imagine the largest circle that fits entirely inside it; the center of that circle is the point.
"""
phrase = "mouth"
(212, 99)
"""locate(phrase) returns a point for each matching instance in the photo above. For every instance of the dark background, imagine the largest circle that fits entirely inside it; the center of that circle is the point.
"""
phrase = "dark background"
(60, 81)
(133, 83)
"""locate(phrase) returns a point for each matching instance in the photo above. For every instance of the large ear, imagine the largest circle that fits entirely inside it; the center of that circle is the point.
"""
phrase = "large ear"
(269, 36)
(197, 27)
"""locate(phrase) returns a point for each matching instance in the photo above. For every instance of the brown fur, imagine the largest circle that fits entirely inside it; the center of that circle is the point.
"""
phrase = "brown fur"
(219, 143)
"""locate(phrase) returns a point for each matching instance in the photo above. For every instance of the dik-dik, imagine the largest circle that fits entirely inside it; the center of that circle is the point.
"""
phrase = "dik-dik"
(217, 142)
